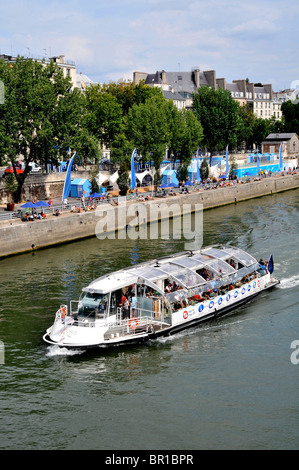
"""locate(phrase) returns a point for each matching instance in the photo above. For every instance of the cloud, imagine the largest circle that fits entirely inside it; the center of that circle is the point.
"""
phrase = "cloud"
(110, 39)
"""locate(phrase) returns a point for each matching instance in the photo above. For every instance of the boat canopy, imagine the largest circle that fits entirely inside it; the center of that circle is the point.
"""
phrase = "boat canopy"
(182, 268)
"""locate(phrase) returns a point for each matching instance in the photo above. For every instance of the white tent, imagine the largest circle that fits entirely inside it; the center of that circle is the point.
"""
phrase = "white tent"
(140, 176)
(102, 178)
(214, 171)
(114, 177)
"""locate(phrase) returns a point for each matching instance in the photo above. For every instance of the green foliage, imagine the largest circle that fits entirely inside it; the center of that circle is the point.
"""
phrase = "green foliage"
(147, 127)
(41, 115)
(11, 184)
(185, 134)
(104, 114)
(182, 172)
(290, 112)
(232, 167)
(123, 180)
(219, 115)
(260, 129)
(204, 170)
(93, 179)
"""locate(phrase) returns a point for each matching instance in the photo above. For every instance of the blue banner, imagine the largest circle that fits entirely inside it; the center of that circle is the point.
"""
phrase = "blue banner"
(197, 167)
(280, 158)
(133, 176)
(67, 182)
(227, 166)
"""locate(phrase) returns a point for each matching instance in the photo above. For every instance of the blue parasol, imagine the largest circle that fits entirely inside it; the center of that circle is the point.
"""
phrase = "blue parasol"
(188, 183)
(29, 205)
(41, 204)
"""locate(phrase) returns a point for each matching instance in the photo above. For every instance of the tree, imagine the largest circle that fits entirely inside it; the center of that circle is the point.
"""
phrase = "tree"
(219, 115)
(104, 114)
(146, 126)
(127, 93)
(290, 112)
(185, 134)
(232, 167)
(204, 170)
(40, 115)
(123, 180)
(260, 129)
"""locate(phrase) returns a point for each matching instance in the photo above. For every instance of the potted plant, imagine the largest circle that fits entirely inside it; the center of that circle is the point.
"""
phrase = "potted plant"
(11, 186)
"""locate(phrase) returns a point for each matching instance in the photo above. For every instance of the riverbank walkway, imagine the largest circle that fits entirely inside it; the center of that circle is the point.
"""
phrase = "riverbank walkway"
(75, 205)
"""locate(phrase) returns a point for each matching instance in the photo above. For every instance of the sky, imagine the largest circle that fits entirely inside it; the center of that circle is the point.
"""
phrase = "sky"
(110, 39)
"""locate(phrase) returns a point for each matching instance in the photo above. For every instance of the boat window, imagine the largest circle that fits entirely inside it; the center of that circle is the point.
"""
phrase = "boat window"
(220, 266)
(150, 273)
(245, 258)
(189, 262)
(185, 277)
(216, 253)
(92, 303)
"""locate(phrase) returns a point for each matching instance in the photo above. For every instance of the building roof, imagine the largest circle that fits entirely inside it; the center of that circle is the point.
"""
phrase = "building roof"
(172, 96)
(278, 137)
(177, 81)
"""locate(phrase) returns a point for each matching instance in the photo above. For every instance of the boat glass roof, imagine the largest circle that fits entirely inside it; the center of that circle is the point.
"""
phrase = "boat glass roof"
(180, 268)
(186, 277)
(228, 251)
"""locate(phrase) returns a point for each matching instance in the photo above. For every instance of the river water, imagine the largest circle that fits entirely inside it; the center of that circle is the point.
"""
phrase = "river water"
(229, 384)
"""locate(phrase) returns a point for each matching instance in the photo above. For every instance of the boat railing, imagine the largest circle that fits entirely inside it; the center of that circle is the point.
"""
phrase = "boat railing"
(74, 307)
(133, 326)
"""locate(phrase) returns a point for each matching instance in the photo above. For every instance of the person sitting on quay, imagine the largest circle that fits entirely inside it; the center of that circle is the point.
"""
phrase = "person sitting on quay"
(57, 213)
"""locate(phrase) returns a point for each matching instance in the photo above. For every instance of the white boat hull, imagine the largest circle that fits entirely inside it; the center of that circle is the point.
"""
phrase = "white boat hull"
(101, 334)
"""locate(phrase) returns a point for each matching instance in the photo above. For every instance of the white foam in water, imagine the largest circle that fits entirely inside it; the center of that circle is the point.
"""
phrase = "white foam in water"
(58, 351)
(289, 282)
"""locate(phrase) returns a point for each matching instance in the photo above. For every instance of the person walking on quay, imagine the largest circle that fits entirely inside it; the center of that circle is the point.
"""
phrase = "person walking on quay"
(83, 201)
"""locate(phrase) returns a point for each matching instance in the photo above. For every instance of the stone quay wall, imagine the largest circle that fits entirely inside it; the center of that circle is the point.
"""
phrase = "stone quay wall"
(17, 236)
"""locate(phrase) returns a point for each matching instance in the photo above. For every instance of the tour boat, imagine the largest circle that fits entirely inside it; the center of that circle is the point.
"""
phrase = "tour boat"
(160, 298)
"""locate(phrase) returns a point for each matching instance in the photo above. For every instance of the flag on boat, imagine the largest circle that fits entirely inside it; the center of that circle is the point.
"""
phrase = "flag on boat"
(227, 166)
(67, 182)
(271, 265)
(280, 158)
(133, 175)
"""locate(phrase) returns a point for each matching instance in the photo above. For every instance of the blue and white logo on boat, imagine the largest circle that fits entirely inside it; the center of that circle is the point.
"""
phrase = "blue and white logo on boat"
(254, 284)
(228, 297)
(243, 290)
(220, 301)
(249, 288)
(236, 294)
(200, 308)
(211, 305)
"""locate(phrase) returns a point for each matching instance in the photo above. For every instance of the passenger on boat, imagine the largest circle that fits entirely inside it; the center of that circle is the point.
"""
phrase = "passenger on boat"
(262, 267)
(126, 309)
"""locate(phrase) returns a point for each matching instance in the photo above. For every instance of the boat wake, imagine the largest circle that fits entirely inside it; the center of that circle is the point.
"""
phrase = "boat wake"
(58, 351)
(289, 282)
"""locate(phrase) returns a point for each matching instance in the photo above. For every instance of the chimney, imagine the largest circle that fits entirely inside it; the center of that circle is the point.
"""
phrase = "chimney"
(196, 78)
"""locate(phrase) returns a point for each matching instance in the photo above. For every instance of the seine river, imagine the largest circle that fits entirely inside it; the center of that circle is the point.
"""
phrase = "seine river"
(229, 384)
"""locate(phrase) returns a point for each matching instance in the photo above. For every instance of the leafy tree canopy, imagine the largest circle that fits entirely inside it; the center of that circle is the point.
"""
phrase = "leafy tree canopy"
(219, 115)
(40, 117)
